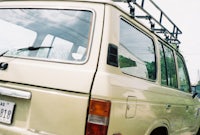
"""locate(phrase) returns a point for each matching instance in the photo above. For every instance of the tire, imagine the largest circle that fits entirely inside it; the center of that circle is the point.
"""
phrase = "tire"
(198, 133)
(160, 131)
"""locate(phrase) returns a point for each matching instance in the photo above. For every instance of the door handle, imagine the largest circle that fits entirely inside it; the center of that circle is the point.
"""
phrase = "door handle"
(187, 108)
(168, 106)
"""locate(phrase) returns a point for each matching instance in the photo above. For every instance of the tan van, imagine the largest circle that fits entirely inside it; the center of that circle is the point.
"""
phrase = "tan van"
(89, 67)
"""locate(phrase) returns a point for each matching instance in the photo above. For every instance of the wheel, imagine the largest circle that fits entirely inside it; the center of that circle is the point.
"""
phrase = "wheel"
(198, 133)
(160, 131)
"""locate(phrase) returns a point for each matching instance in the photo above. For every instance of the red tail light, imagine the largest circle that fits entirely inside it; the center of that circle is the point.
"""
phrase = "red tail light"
(98, 117)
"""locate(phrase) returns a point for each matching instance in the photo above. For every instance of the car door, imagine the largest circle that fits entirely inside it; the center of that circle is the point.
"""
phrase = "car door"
(175, 107)
(185, 92)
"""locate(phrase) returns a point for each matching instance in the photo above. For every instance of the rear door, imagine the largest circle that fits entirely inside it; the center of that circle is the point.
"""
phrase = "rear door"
(45, 69)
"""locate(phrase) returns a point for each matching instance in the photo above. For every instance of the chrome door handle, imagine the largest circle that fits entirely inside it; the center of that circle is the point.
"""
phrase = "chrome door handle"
(15, 93)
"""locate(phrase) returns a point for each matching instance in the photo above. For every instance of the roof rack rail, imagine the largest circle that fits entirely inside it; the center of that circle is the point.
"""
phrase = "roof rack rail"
(171, 36)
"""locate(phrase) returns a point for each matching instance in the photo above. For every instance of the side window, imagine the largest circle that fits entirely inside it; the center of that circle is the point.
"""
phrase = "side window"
(182, 75)
(136, 52)
(163, 67)
(168, 68)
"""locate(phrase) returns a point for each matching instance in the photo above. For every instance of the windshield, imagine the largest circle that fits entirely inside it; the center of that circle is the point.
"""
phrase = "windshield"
(60, 35)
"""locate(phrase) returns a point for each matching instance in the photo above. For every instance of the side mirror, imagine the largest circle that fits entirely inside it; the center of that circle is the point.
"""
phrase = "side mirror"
(195, 91)
(194, 95)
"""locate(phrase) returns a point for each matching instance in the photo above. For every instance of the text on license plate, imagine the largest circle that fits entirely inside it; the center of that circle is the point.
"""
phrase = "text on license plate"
(6, 111)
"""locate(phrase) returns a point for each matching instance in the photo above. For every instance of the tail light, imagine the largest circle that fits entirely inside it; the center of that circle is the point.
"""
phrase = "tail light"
(98, 117)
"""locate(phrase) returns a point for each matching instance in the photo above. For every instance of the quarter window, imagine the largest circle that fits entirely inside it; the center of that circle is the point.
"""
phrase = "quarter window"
(136, 52)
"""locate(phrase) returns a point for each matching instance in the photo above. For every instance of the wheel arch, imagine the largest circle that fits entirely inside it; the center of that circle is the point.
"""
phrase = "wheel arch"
(160, 131)
(157, 127)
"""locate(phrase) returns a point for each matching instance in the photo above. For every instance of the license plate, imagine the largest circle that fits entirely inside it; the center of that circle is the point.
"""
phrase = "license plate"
(6, 111)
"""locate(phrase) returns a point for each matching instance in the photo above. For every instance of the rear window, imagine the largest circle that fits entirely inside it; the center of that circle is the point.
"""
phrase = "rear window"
(57, 35)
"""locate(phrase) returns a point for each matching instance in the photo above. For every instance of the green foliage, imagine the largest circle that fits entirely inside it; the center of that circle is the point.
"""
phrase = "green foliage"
(151, 68)
(126, 62)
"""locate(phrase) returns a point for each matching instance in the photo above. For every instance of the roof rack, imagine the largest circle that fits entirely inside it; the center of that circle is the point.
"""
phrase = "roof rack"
(159, 25)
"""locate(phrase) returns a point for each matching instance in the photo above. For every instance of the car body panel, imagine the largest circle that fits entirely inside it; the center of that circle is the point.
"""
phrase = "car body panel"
(52, 97)
(60, 88)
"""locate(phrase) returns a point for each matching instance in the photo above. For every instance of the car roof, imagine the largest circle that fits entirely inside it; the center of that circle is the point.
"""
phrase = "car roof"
(173, 34)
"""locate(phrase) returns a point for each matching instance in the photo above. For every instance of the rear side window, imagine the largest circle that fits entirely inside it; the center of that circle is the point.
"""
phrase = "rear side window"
(136, 52)
(57, 35)
(168, 67)
(183, 75)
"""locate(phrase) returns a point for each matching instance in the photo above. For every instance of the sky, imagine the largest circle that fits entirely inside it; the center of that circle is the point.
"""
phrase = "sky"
(186, 16)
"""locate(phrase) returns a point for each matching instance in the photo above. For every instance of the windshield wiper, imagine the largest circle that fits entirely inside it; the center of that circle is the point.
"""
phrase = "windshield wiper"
(2, 54)
(32, 48)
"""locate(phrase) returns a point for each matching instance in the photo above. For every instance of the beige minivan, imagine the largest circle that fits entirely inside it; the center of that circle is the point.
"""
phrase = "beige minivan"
(89, 67)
